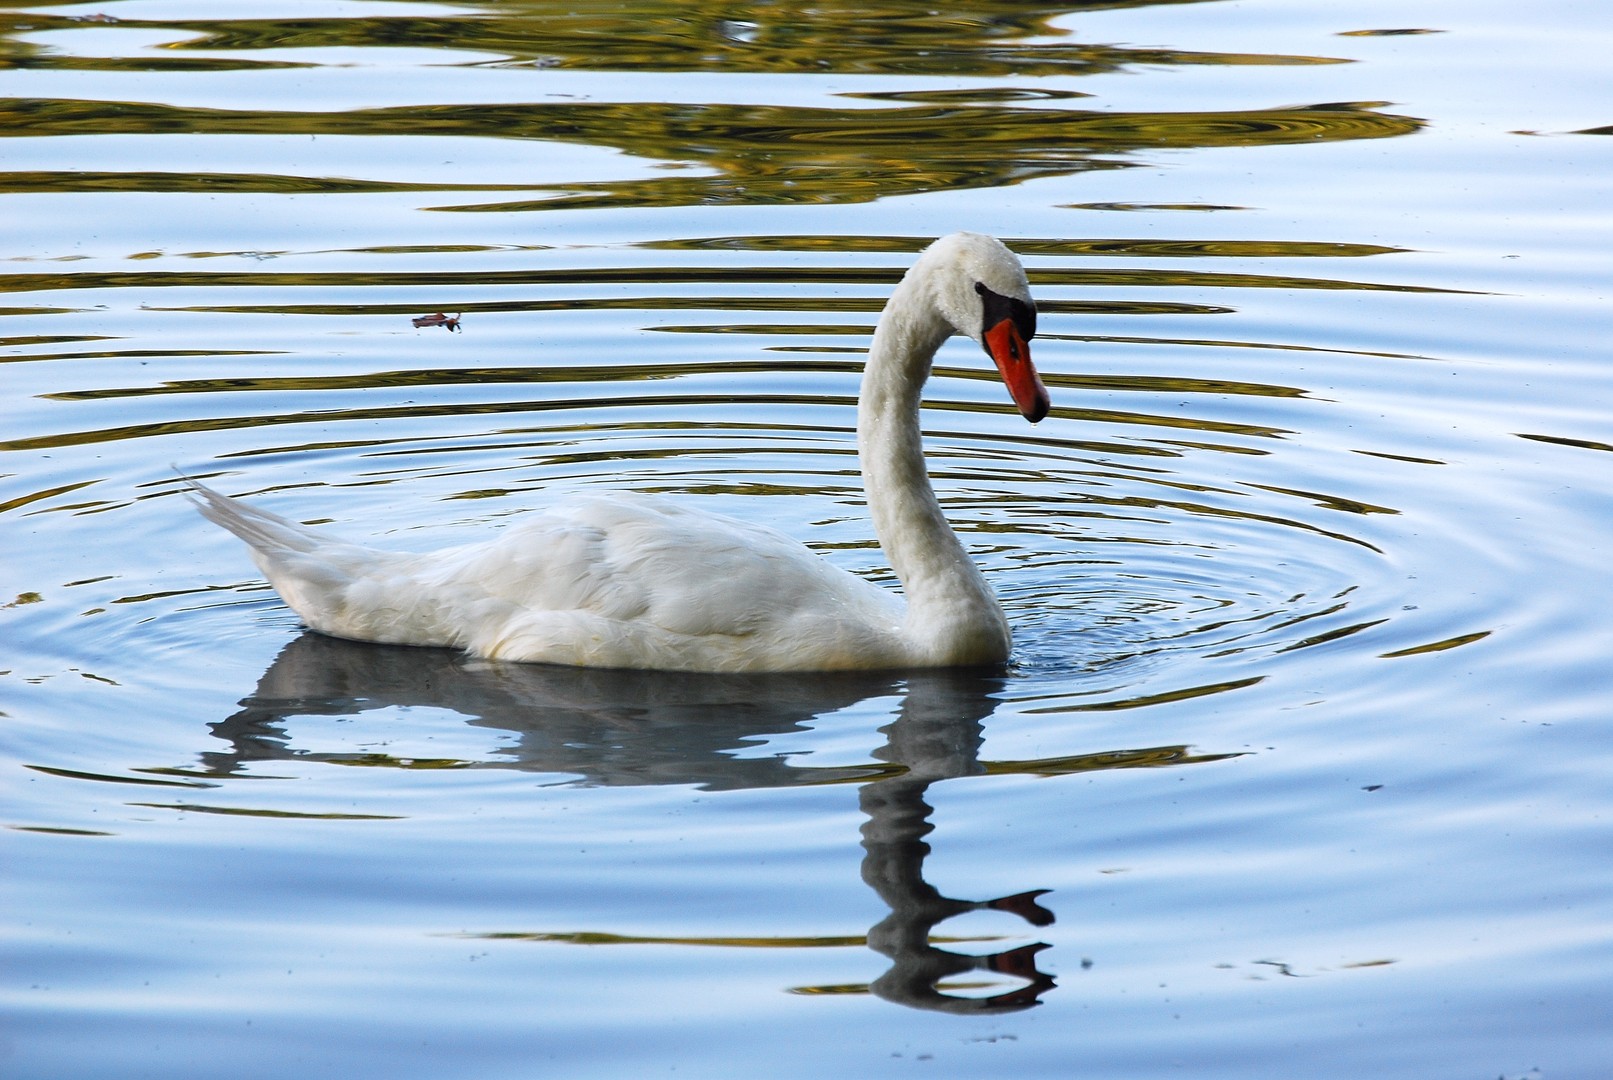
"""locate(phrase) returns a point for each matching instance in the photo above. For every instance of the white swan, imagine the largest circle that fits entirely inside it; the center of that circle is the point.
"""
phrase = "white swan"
(630, 581)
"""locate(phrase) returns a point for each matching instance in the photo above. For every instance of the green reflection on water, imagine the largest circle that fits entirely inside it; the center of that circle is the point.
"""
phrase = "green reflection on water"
(891, 37)
(874, 145)
(240, 811)
(664, 275)
(756, 154)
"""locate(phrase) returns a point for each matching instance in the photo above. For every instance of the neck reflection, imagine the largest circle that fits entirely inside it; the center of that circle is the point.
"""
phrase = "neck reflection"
(937, 736)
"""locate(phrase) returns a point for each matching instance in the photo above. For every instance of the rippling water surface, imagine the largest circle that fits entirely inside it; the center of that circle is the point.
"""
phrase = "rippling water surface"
(1302, 765)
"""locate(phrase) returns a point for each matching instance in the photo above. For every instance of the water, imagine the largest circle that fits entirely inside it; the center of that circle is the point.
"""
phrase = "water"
(1306, 735)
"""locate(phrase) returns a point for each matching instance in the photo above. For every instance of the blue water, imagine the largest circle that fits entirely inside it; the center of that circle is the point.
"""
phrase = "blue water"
(1301, 765)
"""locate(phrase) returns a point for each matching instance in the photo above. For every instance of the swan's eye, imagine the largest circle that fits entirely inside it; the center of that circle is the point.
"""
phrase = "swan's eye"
(995, 307)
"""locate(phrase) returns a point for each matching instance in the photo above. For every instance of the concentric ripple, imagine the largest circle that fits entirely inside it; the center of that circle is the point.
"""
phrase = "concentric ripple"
(1155, 520)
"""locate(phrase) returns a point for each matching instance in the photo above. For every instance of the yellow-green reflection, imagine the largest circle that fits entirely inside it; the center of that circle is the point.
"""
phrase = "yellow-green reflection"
(878, 143)
(755, 154)
(890, 37)
(244, 811)
(664, 275)
(105, 778)
(1437, 646)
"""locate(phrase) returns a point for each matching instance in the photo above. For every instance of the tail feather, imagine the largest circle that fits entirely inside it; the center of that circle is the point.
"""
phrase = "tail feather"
(313, 572)
(339, 588)
(264, 532)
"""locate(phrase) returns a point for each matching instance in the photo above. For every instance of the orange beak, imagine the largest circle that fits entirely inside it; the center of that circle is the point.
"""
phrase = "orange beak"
(1012, 354)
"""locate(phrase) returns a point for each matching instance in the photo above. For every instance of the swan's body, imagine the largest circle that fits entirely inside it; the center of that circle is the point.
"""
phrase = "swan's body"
(631, 581)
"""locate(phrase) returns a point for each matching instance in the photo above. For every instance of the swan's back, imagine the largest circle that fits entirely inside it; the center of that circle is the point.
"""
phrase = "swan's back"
(635, 581)
(619, 581)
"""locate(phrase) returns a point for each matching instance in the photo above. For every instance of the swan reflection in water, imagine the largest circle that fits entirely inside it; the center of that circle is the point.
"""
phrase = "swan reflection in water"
(617, 728)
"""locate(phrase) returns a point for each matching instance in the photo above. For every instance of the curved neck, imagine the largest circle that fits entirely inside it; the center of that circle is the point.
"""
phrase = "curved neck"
(952, 616)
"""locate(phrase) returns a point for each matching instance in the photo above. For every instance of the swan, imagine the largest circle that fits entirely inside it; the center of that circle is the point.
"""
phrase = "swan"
(633, 581)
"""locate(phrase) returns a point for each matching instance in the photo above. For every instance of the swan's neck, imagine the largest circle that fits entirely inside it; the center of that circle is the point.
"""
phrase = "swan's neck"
(952, 616)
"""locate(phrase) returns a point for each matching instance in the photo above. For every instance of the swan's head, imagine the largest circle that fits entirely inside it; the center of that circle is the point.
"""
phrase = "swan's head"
(980, 288)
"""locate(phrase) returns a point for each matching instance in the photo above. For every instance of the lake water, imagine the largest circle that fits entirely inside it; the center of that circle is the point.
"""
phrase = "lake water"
(1309, 732)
